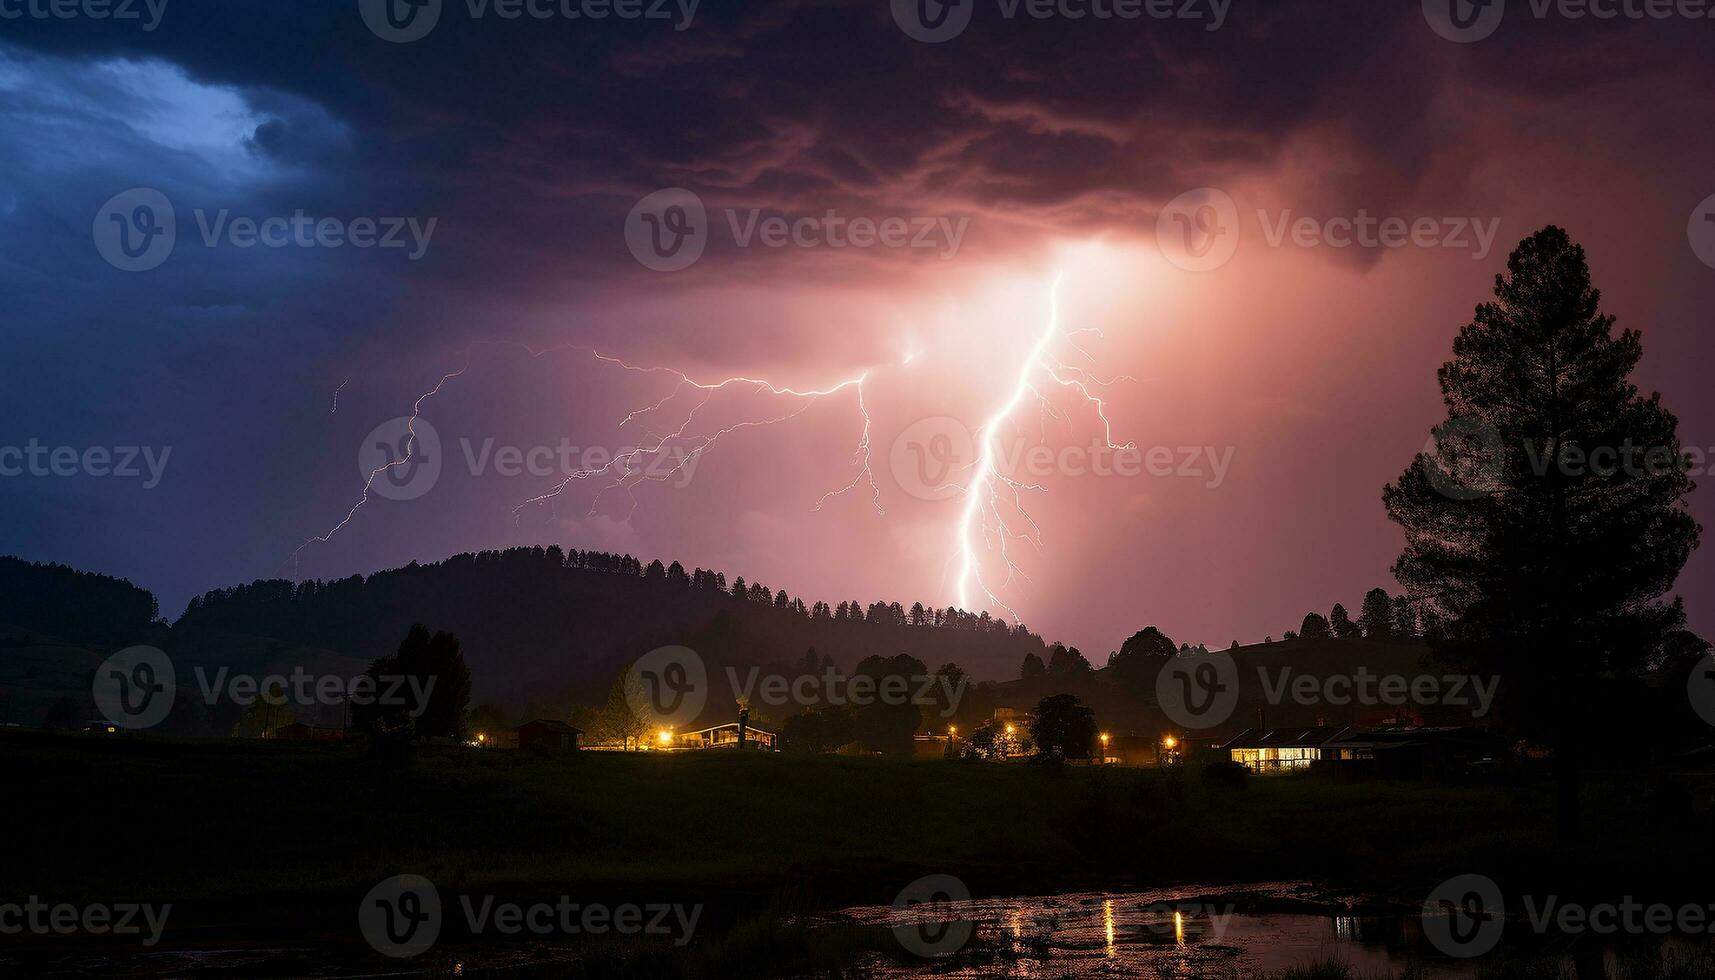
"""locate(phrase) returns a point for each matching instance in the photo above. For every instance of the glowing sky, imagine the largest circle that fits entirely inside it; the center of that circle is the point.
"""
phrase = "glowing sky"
(1308, 369)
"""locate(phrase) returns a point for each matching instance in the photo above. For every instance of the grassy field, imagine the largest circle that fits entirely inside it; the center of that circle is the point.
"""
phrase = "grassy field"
(250, 838)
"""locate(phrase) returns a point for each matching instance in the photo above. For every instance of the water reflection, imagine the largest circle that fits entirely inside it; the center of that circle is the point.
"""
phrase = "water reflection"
(1166, 934)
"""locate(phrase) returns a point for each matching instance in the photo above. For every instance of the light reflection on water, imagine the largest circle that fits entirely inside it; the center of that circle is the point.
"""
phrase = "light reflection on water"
(1164, 934)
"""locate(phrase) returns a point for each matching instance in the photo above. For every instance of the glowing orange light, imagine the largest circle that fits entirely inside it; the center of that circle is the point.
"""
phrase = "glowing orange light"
(1170, 741)
(664, 736)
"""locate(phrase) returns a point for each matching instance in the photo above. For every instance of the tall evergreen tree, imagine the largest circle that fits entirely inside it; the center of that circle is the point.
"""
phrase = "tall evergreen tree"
(1549, 521)
(1341, 623)
(1376, 616)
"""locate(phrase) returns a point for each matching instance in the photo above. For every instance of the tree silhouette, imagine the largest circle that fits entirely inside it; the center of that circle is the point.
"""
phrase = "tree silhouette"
(1376, 616)
(1550, 520)
(1032, 667)
(1065, 723)
(1341, 623)
(1066, 662)
(1404, 617)
(1315, 627)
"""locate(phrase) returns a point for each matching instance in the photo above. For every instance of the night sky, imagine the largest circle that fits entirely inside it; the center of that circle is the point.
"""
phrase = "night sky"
(1034, 148)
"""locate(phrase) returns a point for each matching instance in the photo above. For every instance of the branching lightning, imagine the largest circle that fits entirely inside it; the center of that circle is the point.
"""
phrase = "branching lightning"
(637, 465)
(627, 469)
(993, 518)
(989, 488)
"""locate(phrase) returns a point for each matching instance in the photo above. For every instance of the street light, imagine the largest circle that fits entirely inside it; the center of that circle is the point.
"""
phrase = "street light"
(664, 737)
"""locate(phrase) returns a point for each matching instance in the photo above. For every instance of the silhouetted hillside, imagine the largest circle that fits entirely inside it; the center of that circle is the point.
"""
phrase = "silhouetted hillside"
(80, 607)
(539, 621)
(1124, 697)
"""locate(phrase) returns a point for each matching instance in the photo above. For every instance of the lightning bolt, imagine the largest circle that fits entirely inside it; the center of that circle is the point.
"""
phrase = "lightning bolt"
(638, 465)
(984, 523)
(989, 489)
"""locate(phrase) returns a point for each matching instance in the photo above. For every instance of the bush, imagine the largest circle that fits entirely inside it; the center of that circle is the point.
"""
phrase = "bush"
(1232, 775)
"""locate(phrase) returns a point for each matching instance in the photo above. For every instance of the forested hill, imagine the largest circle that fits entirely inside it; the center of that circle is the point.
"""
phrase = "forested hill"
(80, 607)
(540, 620)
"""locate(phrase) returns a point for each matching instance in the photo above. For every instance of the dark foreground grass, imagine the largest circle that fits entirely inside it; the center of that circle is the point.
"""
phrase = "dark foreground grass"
(249, 836)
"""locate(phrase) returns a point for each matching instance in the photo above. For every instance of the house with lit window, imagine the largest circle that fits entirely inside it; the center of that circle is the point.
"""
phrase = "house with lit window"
(717, 737)
(1282, 749)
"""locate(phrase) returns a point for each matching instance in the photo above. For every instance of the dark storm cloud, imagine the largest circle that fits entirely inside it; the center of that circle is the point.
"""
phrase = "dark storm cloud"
(533, 137)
